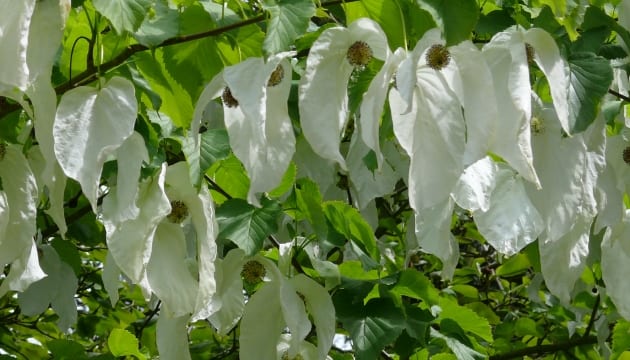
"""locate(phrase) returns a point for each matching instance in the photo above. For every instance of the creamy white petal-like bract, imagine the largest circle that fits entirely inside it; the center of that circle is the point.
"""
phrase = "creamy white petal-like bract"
(57, 290)
(168, 273)
(323, 95)
(373, 101)
(512, 222)
(171, 335)
(25, 270)
(14, 26)
(433, 231)
(473, 189)
(229, 302)
(508, 61)
(320, 306)
(259, 128)
(20, 188)
(563, 259)
(366, 183)
(568, 172)
(91, 124)
(130, 241)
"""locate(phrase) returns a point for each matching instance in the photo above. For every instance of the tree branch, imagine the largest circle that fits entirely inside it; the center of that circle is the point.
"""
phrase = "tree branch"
(619, 95)
(547, 348)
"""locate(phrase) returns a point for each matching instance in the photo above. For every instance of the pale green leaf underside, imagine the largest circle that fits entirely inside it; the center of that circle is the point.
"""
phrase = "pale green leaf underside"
(289, 19)
(125, 15)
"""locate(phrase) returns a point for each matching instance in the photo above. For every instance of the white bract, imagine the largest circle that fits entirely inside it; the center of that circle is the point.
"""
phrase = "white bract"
(277, 304)
(254, 94)
(90, 125)
(323, 98)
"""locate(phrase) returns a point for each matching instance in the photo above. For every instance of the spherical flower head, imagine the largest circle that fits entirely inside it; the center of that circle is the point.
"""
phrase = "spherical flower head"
(228, 98)
(626, 155)
(253, 272)
(438, 57)
(359, 54)
(529, 50)
(276, 76)
(537, 125)
(179, 212)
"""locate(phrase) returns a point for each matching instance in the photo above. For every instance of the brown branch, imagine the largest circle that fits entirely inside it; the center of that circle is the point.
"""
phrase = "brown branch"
(546, 349)
(619, 95)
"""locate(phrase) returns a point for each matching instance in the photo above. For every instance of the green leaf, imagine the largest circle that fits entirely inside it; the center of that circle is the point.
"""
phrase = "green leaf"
(527, 327)
(246, 225)
(465, 318)
(309, 201)
(286, 183)
(515, 265)
(122, 343)
(68, 253)
(620, 338)
(230, 175)
(461, 351)
(215, 146)
(389, 15)
(415, 285)
(457, 18)
(348, 221)
(161, 23)
(66, 350)
(591, 76)
(289, 19)
(371, 326)
(125, 15)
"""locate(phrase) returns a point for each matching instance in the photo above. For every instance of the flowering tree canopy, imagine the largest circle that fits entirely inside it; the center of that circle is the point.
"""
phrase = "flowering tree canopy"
(299, 179)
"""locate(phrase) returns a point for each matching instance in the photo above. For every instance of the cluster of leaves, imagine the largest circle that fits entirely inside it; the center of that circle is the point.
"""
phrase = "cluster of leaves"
(138, 217)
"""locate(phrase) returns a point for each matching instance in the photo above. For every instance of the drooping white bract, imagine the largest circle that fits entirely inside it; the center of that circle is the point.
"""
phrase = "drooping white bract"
(373, 101)
(45, 35)
(323, 95)
(130, 240)
(57, 290)
(18, 210)
(511, 222)
(91, 124)
(568, 169)
(171, 336)
(368, 184)
(432, 132)
(276, 305)
(256, 116)
(182, 275)
(469, 77)
(14, 27)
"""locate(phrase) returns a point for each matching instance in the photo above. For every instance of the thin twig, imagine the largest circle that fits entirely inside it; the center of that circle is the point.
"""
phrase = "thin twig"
(546, 349)
(591, 321)
(619, 95)
(150, 316)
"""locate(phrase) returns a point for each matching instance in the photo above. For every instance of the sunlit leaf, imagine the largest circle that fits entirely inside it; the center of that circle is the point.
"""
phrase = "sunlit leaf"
(289, 19)
(125, 15)
(246, 225)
